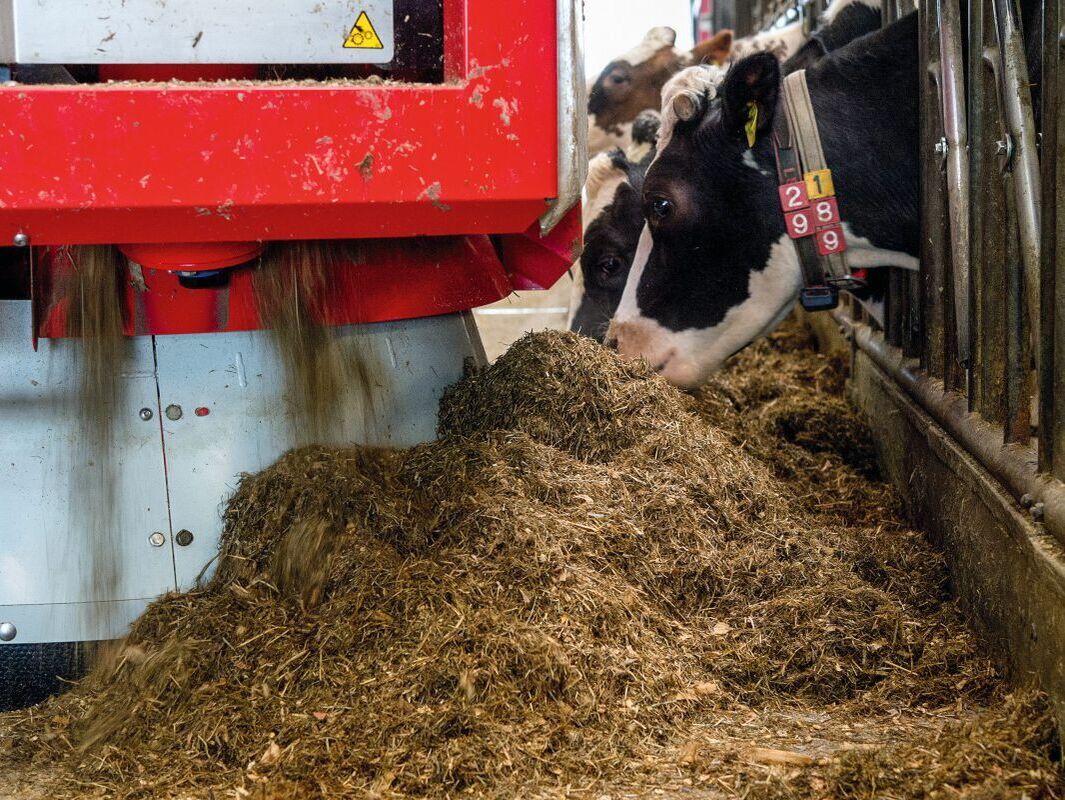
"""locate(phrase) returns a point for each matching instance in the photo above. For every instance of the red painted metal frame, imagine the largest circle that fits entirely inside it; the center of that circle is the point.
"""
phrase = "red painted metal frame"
(388, 279)
(258, 161)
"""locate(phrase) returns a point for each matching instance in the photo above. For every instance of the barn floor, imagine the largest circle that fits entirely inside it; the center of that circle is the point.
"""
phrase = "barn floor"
(593, 587)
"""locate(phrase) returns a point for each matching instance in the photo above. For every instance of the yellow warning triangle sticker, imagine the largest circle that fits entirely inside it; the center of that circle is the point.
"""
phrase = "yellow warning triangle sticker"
(363, 36)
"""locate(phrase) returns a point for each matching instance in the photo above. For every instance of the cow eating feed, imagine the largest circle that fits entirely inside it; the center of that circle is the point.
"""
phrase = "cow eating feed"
(714, 268)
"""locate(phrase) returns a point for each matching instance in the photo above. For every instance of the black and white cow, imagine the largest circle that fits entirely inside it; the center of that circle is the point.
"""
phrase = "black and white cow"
(714, 268)
(613, 219)
(612, 227)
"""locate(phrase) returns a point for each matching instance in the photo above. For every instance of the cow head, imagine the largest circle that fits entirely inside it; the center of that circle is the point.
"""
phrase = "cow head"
(633, 82)
(613, 219)
(714, 268)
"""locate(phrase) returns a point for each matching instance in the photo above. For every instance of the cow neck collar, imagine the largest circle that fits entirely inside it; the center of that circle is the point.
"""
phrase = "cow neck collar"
(807, 198)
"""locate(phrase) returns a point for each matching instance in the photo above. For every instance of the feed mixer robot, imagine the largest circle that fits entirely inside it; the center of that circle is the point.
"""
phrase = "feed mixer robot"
(440, 138)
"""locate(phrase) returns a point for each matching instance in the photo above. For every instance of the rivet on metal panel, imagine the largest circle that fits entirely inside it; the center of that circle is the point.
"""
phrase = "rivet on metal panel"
(173, 412)
(184, 537)
(157, 539)
(8, 631)
(146, 414)
(20, 240)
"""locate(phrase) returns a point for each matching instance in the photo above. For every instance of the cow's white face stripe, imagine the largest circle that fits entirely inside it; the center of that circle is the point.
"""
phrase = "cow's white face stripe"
(628, 310)
(605, 188)
(687, 358)
(604, 180)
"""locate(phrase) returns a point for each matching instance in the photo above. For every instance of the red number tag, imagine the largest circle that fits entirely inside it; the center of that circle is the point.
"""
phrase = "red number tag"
(793, 196)
(830, 240)
(800, 224)
(826, 211)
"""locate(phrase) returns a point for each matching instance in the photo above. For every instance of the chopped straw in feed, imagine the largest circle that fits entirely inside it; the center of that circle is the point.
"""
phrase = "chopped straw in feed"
(591, 585)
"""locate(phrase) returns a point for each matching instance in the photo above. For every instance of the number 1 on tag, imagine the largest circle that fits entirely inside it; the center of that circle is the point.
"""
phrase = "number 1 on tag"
(819, 184)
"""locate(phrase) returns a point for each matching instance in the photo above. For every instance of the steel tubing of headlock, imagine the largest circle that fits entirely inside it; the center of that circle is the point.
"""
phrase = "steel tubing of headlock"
(1017, 108)
(977, 88)
(933, 252)
(1052, 343)
(952, 94)
(992, 225)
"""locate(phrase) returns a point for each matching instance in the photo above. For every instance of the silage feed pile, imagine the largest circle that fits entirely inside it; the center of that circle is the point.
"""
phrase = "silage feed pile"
(592, 586)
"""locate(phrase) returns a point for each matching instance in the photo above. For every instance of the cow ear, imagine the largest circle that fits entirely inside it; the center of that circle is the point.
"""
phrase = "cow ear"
(749, 96)
(714, 50)
(657, 38)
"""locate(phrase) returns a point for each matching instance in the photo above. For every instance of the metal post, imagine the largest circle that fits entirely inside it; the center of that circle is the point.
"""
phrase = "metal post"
(932, 211)
(991, 184)
(952, 89)
(1017, 105)
(1018, 405)
(1052, 361)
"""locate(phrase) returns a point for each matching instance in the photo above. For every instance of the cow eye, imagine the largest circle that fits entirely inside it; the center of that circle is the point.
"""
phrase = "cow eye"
(661, 208)
(609, 266)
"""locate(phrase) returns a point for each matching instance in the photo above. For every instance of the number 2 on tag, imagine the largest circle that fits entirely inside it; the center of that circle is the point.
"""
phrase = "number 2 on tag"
(793, 196)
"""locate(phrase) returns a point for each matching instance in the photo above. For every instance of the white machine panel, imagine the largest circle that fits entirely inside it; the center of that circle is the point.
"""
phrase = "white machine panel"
(196, 32)
(234, 418)
(63, 525)
(208, 407)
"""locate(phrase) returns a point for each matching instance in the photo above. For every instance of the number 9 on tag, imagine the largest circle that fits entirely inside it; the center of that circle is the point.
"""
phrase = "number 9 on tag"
(830, 240)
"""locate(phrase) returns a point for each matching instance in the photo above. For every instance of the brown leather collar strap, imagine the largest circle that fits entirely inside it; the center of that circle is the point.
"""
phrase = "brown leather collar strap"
(807, 198)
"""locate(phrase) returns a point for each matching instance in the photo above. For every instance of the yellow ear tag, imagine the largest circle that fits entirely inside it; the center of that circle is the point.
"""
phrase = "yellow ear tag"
(751, 127)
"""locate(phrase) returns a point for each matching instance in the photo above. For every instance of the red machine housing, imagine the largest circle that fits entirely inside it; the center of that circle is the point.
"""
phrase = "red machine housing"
(213, 170)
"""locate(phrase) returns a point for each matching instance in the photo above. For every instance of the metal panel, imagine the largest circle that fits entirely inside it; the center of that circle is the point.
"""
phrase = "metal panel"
(572, 114)
(196, 32)
(238, 380)
(46, 535)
